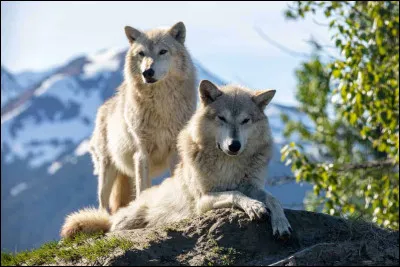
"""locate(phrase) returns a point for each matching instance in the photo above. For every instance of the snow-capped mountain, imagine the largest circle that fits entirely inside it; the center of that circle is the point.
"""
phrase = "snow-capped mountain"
(29, 78)
(10, 88)
(46, 171)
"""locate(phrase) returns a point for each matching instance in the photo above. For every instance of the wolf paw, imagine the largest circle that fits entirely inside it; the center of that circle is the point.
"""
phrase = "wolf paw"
(255, 209)
(281, 227)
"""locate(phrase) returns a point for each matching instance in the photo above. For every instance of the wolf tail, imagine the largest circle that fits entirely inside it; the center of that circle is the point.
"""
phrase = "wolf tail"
(88, 220)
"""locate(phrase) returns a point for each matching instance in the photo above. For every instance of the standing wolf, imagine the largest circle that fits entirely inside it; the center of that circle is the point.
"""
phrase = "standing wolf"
(224, 151)
(136, 130)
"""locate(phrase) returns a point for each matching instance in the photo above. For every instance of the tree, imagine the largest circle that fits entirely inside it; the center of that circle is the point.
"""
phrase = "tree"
(353, 104)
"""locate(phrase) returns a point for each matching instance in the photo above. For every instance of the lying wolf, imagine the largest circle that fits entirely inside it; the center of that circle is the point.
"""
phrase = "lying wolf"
(136, 130)
(224, 151)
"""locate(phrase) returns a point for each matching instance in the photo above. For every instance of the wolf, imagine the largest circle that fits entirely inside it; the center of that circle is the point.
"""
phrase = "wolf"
(135, 133)
(224, 152)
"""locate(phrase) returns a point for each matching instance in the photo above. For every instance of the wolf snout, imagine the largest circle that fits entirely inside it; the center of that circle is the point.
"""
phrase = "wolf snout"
(148, 76)
(235, 146)
(149, 73)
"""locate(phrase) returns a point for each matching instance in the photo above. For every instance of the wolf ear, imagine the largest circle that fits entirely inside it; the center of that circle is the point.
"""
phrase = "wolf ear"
(262, 98)
(178, 31)
(208, 92)
(132, 34)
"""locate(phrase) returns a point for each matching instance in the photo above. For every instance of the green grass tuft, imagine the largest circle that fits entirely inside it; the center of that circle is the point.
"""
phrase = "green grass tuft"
(220, 255)
(83, 246)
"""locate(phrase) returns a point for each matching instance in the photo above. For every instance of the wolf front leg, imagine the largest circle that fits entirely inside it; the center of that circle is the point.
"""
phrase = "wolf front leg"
(107, 174)
(141, 161)
(217, 200)
(279, 222)
(140, 156)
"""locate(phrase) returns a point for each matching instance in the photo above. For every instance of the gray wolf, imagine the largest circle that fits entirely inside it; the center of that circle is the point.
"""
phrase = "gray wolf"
(224, 150)
(134, 139)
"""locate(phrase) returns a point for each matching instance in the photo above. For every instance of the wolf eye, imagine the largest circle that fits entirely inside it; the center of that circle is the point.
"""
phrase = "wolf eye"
(222, 118)
(245, 121)
(163, 51)
(141, 53)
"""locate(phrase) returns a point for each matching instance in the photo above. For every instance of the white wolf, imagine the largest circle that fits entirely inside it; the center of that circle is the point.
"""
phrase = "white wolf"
(136, 130)
(224, 151)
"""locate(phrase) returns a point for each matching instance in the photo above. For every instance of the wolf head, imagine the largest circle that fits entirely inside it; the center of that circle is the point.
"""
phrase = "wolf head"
(233, 117)
(155, 53)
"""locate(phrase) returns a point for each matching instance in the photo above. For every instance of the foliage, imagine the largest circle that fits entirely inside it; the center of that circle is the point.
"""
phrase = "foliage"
(353, 106)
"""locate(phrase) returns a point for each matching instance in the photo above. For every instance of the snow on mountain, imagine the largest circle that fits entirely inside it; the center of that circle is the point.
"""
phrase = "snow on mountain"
(62, 109)
(46, 169)
(28, 79)
(105, 60)
(10, 88)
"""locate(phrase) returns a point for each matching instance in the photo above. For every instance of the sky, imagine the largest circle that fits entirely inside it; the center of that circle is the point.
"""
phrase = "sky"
(36, 36)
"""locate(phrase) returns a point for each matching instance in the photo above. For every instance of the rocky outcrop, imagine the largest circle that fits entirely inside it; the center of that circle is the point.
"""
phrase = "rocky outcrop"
(228, 237)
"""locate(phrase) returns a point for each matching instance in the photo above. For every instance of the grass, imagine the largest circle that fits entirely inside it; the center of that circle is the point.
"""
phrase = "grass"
(177, 226)
(83, 246)
(220, 255)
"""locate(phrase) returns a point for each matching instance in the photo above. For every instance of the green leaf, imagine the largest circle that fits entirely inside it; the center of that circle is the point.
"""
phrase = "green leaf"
(336, 73)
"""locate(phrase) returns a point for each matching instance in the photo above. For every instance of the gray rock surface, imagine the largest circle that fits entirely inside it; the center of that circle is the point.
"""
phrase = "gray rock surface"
(228, 237)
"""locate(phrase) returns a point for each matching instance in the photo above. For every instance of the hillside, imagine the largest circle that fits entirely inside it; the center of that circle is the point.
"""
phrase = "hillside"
(227, 237)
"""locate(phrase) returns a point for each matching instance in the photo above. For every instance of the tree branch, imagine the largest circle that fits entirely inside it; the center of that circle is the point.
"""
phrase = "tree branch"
(288, 50)
(280, 180)
(279, 46)
(320, 23)
(291, 260)
(368, 165)
(359, 12)
(274, 181)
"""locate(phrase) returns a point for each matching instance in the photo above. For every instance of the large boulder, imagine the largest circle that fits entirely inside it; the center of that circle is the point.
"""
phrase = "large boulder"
(227, 236)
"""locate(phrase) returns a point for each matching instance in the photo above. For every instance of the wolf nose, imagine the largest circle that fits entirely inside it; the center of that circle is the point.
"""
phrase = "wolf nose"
(234, 146)
(148, 73)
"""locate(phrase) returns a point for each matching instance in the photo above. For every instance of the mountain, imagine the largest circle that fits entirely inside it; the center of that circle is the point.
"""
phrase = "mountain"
(30, 78)
(46, 171)
(10, 88)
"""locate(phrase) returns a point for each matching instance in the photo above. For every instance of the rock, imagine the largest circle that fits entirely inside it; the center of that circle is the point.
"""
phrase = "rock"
(228, 237)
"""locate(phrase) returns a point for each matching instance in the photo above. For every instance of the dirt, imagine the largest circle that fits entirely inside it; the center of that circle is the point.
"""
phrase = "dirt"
(228, 237)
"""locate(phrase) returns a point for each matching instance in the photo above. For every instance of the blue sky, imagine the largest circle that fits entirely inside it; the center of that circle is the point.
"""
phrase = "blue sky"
(221, 35)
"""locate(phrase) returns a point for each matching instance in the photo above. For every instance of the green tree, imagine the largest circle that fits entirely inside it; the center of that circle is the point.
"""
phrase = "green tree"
(353, 104)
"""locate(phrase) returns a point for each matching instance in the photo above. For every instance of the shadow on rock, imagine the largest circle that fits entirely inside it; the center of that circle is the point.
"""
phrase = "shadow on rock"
(228, 237)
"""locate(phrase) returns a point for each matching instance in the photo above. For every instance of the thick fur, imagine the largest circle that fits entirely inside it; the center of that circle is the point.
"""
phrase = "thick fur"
(208, 176)
(135, 133)
(89, 220)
